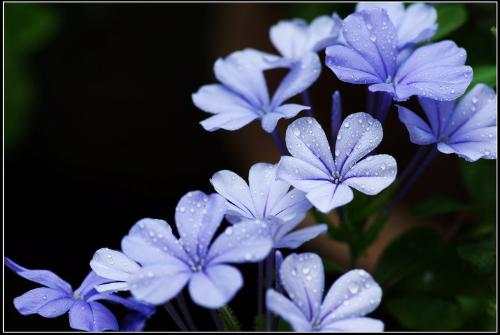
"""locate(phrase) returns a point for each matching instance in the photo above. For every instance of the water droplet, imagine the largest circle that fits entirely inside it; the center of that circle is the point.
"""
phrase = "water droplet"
(353, 288)
(305, 270)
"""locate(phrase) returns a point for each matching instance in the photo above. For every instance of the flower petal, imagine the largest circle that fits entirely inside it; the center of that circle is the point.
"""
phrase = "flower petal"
(261, 179)
(476, 109)
(235, 190)
(289, 206)
(43, 277)
(283, 307)
(302, 175)
(372, 34)
(129, 303)
(418, 24)
(297, 238)
(89, 283)
(436, 71)
(372, 174)
(323, 31)
(353, 295)
(303, 278)
(156, 284)
(197, 217)
(306, 140)
(91, 317)
(359, 134)
(113, 265)
(395, 10)
(270, 120)
(216, 98)
(240, 72)
(349, 66)
(243, 242)
(216, 286)
(330, 196)
(33, 301)
(367, 325)
(229, 121)
(302, 74)
(151, 241)
(419, 131)
(290, 37)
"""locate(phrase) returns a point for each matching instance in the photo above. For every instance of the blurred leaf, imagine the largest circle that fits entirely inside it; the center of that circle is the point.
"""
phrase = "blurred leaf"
(480, 179)
(364, 206)
(486, 74)
(229, 319)
(408, 254)
(259, 323)
(450, 18)
(479, 311)
(332, 267)
(481, 255)
(283, 326)
(436, 205)
(425, 313)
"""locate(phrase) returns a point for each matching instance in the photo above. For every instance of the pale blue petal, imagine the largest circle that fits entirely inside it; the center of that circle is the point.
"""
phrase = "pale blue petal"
(216, 286)
(197, 217)
(353, 295)
(286, 309)
(418, 25)
(302, 175)
(33, 302)
(418, 129)
(295, 239)
(330, 196)
(372, 174)
(113, 265)
(290, 38)
(303, 278)
(236, 191)
(366, 325)
(91, 317)
(270, 120)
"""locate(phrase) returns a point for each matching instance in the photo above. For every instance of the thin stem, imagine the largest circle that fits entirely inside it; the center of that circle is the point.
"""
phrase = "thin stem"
(185, 311)
(407, 185)
(175, 316)
(269, 284)
(279, 141)
(345, 221)
(217, 320)
(260, 288)
(417, 158)
(384, 105)
(306, 99)
(335, 118)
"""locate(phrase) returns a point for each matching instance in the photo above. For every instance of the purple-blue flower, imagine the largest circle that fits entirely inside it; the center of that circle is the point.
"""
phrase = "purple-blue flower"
(268, 203)
(326, 180)
(242, 95)
(370, 56)
(350, 298)
(56, 297)
(414, 24)
(155, 265)
(295, 38)
(467, 127)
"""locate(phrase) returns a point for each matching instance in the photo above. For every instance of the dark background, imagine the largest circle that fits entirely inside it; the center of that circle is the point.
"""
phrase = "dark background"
(107, 132)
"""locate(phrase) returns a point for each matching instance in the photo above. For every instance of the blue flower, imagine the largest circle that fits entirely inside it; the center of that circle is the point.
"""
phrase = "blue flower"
(56, 298)
(414, 24)
(467, 128)
(370, 56)
(155, 265)
(243, 97)
(350, 298)
(328, 181)
(295, 38)
(268, 203)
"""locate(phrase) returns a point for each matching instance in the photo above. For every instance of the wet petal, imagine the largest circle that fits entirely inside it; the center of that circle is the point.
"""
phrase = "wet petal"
(306, 140)
(235, 190)
(216, 286)
(353, 295)
(91, 317)
(270, 120)
(367, 325)
(330, 196)
(197, 217)
(359, 134)
(295, 239)
(151, 241)
(419, 131)
(303, 278)
(45, 301)
(302, 175)
(372, 174)
(418, 24)
(289, 37)
(113, 265)
(286, 309)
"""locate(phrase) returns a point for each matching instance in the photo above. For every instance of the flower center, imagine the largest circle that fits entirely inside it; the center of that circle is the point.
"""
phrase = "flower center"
(336, 177)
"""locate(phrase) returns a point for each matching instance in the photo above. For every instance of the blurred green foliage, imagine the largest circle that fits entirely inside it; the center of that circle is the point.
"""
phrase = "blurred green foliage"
(28, 28)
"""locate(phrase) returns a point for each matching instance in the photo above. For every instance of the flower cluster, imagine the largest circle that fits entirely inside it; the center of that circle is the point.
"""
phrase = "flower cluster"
(382, 46)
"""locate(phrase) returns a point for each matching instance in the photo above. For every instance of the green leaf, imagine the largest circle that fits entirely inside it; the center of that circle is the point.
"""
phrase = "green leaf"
(481, 255)
(332, 267)
(486, 74)
(450, 17)
(229, 319)
(259, 323)
(425, 313)
(437, 205)
(480, 180)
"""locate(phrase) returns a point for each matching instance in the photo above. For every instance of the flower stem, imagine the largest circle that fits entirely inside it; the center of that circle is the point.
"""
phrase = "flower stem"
(175, 316)
(279, 141)
(306, 99)
(185, 311)
(417, 158)
(260, 288)
(378, 105)
(421, 166)
(269, 284)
